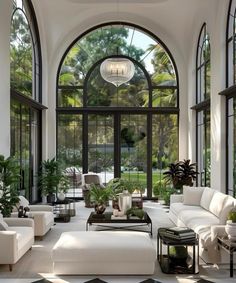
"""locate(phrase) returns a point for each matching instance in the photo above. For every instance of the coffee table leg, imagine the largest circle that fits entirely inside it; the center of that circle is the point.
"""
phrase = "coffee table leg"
(231, 264)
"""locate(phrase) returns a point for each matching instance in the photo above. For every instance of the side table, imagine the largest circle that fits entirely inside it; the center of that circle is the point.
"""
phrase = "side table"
(61, 209)
(163, 254)
(229, 247)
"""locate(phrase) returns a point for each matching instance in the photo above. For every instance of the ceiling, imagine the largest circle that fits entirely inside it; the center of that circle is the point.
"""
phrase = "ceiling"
(173, 21)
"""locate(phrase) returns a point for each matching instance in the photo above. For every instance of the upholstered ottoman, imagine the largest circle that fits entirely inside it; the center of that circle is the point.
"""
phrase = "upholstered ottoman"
(104, 252)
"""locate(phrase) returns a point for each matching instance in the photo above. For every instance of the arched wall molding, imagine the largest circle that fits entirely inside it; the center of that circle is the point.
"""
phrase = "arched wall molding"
(57, 54)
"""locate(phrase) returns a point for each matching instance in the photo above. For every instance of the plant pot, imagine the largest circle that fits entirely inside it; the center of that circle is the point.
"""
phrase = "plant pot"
(61, 196)
(51, 198)
(230, 229)
(100, 208)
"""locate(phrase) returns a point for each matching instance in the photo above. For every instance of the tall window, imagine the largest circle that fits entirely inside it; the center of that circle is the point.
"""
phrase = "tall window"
(25, 95)
(202, 107)
(230, 93)
(129, 131)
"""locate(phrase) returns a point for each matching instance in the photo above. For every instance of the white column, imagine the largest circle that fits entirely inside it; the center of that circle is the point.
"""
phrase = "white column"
(5, 21)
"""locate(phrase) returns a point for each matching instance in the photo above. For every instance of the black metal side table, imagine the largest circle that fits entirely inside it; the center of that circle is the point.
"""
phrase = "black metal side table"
(230, 248)
(163, 254)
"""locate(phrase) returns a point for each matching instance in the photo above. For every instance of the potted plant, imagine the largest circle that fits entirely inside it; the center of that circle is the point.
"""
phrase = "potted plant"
(181, 173)
(99, 196)
(63, 187)
(9, 177)
(135, 211)
(230, 226)
(50, 178)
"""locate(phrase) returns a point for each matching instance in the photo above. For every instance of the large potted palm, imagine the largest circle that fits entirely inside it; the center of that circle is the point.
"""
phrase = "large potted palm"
(50, 177)
(9, 178)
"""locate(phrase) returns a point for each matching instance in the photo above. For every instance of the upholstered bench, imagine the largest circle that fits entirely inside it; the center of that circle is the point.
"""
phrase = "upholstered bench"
(104, 252)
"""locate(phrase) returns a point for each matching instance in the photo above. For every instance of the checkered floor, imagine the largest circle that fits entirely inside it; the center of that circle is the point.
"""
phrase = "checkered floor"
(150, 280)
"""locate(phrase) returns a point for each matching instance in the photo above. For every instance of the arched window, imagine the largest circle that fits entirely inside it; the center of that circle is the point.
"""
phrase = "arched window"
(230, 93)
(25, 78)
(129, 131)
(202, 107)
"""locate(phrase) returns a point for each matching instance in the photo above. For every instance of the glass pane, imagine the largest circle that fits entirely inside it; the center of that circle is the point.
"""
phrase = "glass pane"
(134, 148)
(208, 80)
(230, 64)
(21, 51)
(70, 97)
(69, 150)
(163, 73)
(25, 151)
(164, 148)
(164, 98)
(131, 94)
(204, 147)
(101, 146)
(35, 140)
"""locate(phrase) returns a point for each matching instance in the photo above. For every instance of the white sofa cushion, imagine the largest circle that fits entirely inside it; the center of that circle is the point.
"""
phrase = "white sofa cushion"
(192, 195)
(217, 203)
(206, 198)
(3, 225)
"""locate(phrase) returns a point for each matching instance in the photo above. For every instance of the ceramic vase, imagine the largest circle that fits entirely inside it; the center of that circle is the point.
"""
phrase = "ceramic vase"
(230, 229)
(125, 201)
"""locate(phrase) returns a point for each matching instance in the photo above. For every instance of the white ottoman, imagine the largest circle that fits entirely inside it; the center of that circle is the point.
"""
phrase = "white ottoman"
(104, 252)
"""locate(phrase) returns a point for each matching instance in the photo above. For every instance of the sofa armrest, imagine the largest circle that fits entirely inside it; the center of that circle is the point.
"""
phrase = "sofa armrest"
(41, 207)
(176, 198)
(19, 222)
(8, 247)
(217, 230)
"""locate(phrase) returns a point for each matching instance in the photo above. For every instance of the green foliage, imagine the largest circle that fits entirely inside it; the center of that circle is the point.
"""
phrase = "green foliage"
(135, 211)
(9, 177)
(99, 195)
(232, 215)
(159, 188)
(178, 252)
(181, 173)
(52, 177)
(118, 185)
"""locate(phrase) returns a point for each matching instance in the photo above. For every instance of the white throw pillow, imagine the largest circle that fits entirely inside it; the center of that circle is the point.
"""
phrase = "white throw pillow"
(192, 195)
(206, 198)
(217, 203)
(3, 225)
(23, 201)
(228, 205)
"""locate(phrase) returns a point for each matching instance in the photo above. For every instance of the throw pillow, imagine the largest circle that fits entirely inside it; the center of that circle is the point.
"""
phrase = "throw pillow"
(192, 195)
(3, 225)
(228, 205)
(217, 203)
(206, 198)
(23, 201)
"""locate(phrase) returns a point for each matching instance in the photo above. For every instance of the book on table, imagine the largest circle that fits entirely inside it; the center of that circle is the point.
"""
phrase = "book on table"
(179, 231)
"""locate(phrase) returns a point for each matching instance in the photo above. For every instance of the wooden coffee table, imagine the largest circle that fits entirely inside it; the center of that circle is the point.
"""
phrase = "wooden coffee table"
(107, 223)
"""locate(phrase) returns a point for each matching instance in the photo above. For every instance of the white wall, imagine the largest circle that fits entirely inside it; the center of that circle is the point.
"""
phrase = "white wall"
(5, 18)
(215, 19)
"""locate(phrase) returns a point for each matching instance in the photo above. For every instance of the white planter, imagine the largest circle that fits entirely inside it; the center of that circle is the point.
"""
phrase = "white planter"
(230, 229)
(61, 196)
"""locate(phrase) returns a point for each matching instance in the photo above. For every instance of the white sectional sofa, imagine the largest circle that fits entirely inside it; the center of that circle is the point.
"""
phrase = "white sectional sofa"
(205, 211)
(16, 238)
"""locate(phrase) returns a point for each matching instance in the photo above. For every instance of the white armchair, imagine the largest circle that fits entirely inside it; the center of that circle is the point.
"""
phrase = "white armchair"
(42, 215)
(16, 238)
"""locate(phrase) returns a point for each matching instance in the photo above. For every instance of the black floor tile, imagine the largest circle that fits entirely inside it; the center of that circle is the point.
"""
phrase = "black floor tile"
(96, 280)
(150, 280)
(42, 281)
(203, 281)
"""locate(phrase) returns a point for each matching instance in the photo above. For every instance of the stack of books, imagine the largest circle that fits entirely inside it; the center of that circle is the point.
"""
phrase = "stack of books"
(180, 233)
